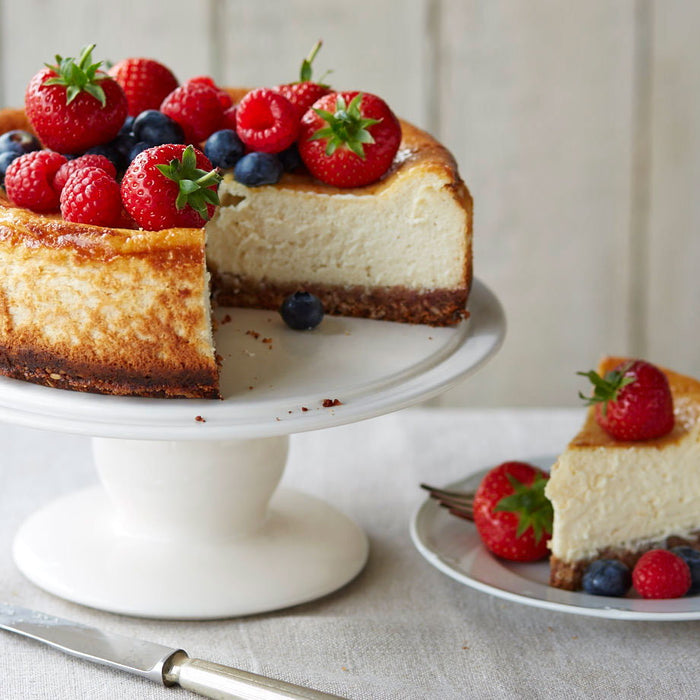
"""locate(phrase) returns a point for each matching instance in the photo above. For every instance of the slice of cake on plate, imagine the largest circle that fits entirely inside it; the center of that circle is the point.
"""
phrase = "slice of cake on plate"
(616, 498)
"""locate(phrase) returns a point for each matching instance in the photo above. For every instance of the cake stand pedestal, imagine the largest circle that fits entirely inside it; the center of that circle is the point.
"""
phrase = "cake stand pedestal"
(187, 521)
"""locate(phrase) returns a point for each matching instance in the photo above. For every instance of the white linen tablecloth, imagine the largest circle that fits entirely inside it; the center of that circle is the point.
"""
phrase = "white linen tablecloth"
(401, 629)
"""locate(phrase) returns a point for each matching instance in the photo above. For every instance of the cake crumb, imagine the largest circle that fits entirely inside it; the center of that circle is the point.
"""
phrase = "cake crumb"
(199, 419)
(267, 340)
(253, 334)
(250, 388)
(329, 403)
(304, 408)
(344, 668)
(226, 319)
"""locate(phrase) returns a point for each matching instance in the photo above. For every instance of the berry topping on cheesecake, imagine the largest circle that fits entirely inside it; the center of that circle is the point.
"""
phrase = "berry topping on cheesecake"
(632, 401)
(170, 186)
(349, 139)
(146, 83)
(73, 105)
(29, 180)
(91, 196)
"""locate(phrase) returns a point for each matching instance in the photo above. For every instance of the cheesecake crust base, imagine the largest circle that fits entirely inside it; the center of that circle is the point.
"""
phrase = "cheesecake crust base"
(439, 307)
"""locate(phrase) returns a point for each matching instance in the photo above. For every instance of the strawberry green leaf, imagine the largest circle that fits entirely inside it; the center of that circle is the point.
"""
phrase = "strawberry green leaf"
(80, 76)
(530, 504)
(193, 183)
(606, 389)
(306, 71)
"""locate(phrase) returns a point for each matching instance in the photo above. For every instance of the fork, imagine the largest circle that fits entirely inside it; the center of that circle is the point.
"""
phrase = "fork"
(459, 503)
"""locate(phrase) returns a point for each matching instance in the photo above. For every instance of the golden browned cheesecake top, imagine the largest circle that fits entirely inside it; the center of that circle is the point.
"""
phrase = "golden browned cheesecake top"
(686, 405)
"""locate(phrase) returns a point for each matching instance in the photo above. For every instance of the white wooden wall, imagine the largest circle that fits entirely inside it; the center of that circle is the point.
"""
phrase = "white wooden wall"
(576, 126)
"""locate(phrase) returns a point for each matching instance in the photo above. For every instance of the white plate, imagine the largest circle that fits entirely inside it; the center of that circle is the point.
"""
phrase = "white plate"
(274, 380)
(453, 546)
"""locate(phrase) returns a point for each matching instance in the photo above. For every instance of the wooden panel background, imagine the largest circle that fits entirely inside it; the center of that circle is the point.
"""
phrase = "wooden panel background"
(575, 126)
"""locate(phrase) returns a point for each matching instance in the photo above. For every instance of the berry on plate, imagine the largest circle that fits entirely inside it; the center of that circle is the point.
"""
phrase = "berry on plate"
(608, 577)
(305, 92)
(632, 402)
(29, 180)
(692, 558)
(511, 513)
(266, 121)
(256, 169)
(661, 574)
(170, 186)
(89, 160)
(349, 139)
(73, 105)
(196, 108)
(302, 311)
(146, 83)
(91, 196)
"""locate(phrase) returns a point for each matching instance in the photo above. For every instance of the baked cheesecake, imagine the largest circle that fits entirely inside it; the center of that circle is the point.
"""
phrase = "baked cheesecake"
(126, 311)
(618, 499)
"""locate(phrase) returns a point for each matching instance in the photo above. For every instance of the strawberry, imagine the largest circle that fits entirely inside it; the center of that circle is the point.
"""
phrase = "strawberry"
(196, 108)
(511, 513)
(170, 186)
(661, 574)
(633, 401)
(349, 139)
(266, 121)
(305, 92)
(91, 196)
(73, 105)
(146, 83)
(89, 160)
(29, 180)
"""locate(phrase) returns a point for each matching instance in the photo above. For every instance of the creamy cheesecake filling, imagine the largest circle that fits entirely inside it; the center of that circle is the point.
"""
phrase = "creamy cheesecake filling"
(624, 497)
(409, 234)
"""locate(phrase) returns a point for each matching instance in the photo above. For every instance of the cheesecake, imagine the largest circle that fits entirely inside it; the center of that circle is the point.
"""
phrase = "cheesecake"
(125, 311)
(616, 499)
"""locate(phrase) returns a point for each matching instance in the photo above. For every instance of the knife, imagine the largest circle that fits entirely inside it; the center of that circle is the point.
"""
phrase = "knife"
(156, 662)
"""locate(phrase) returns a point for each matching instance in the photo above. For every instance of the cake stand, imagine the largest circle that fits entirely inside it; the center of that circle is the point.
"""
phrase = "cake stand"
(187, 521)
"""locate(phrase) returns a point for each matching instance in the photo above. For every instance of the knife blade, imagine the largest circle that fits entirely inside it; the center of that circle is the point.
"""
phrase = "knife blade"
(156, 662)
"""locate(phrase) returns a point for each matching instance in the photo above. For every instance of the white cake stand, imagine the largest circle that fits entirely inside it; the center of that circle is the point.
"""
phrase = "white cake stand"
(187, 522)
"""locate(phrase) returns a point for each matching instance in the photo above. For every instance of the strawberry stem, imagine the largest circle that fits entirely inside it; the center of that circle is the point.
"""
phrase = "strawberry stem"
(531, 506)
(346, 127)
(80, 76)
(194, 183)
(606, 389)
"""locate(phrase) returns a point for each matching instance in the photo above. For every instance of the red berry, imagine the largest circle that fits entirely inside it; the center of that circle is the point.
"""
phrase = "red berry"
(229, 119)
(29, 180)
(146, 83)
(89, 160)
(302, 95)
(91, 196)
(266, 121)
(196, 108)
(224, 97)
(661, 574)
(633, 401)
(511, 513)
(73, 106)
(349, 139)
(151, 189)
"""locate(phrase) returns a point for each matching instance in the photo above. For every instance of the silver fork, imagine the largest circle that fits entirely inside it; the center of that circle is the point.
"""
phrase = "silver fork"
(459, 503)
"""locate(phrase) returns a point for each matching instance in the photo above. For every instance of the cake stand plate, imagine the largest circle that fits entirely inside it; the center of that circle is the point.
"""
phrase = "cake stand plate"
(187, 522)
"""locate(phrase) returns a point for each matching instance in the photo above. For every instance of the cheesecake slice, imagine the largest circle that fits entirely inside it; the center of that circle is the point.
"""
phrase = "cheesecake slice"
(615, 499)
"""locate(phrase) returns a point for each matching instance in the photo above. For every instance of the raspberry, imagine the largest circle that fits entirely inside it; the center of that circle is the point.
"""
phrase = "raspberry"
(661, 574)
(196, 108)
(229, 119)
(146, 83)
(266, 121)
(224, 97)
(89, 160)
(91, 196)
(29, 180)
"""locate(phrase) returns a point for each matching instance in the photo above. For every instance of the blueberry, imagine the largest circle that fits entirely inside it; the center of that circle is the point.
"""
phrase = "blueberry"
(156, 128)
(110, 150)
(692, 559)
(224, 149)
(6, 157)
(607, 577)
(20, 141)
(127, 126)
(302, 311)
(290, 158)
(256, 169)
(138, 147)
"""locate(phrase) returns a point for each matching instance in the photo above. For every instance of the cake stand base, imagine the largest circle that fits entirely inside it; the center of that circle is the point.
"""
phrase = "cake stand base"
(131, 547)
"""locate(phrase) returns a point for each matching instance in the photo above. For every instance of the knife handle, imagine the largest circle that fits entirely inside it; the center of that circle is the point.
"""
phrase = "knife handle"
(225, 683)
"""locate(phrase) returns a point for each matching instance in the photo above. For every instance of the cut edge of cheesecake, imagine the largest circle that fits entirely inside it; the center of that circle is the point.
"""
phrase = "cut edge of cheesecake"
(648, 491)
